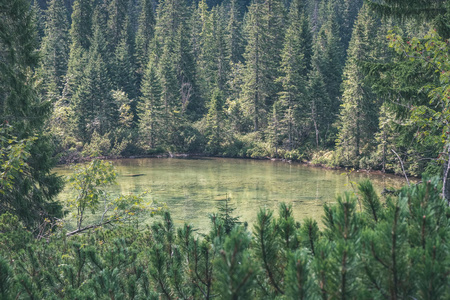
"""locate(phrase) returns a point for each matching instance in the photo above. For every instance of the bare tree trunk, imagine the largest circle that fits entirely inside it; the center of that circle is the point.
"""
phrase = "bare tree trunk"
(403, 168)
(446, 179)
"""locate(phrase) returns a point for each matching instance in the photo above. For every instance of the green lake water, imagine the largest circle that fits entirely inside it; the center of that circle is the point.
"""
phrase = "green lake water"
(193, 187)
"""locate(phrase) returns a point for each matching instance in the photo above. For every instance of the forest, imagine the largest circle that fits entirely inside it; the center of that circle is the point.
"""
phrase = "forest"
(301, 80)
(339, 83)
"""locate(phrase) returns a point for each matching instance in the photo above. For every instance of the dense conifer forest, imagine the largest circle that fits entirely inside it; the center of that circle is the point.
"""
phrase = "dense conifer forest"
(343, 83)
(302, 80)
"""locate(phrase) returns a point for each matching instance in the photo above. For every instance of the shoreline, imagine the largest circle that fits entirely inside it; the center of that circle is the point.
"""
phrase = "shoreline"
(198, 155)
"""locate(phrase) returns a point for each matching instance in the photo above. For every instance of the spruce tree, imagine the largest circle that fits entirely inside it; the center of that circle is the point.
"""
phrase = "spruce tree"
(295, 60)
(144, 37)
(252, 95)
(213, 61)
(81, 37)
(123, 71)
(151, 108)
(35, 189)
(234, 39)
(215, 122)
(387, 135)
(94, 107)
(117, 19)
(347, 13)
(55, 49)
(320, 105)
(173, 35)
(264, 23)
(191, 103)
(330, 53)
(169, 91)
(359, 113)
(81, 28)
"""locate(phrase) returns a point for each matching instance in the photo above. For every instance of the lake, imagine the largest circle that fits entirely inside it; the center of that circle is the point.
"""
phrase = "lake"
(193, 187)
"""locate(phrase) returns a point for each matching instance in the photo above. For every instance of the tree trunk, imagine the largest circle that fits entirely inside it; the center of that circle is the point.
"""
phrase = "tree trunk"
(446, 177)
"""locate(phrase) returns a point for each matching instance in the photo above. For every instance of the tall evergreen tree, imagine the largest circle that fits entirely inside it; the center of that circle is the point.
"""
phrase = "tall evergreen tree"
(215, 121)
(55, 49)
(278, 129)
(347, 13)
(359, 114)
(123, 68)
(117, 13)
(320, 106)
(151, 108)
(170, 14)
(253, 94)
(192, 104)
(327, 64)
(295, 60)
(169, 91)
(94, 107)
(234, 39)
(264, 30)
(213, 61)
(33, 197)
(81, 28)
(144, 36)
(81, 37)
(330, 53)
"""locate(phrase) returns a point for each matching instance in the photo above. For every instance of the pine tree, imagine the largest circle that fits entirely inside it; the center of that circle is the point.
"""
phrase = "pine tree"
(94, 107)
(320, 107)
(264, 23)
(55, 49)
(234, 39)
(212, 62)
(298, 279)
(215, 122)
(117, 12)
(81, 28)
(235, 268)
(81, 37)
(35, 189)
(123, 68)
(386, 249)
(268, 252)
(192, 104)
(295, 60)
(329, 54)
(359, 114)
(150, 108)
(144, 36)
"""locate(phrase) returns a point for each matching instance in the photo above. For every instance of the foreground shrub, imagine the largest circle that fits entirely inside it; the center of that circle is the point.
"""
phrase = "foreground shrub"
(367, 249)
